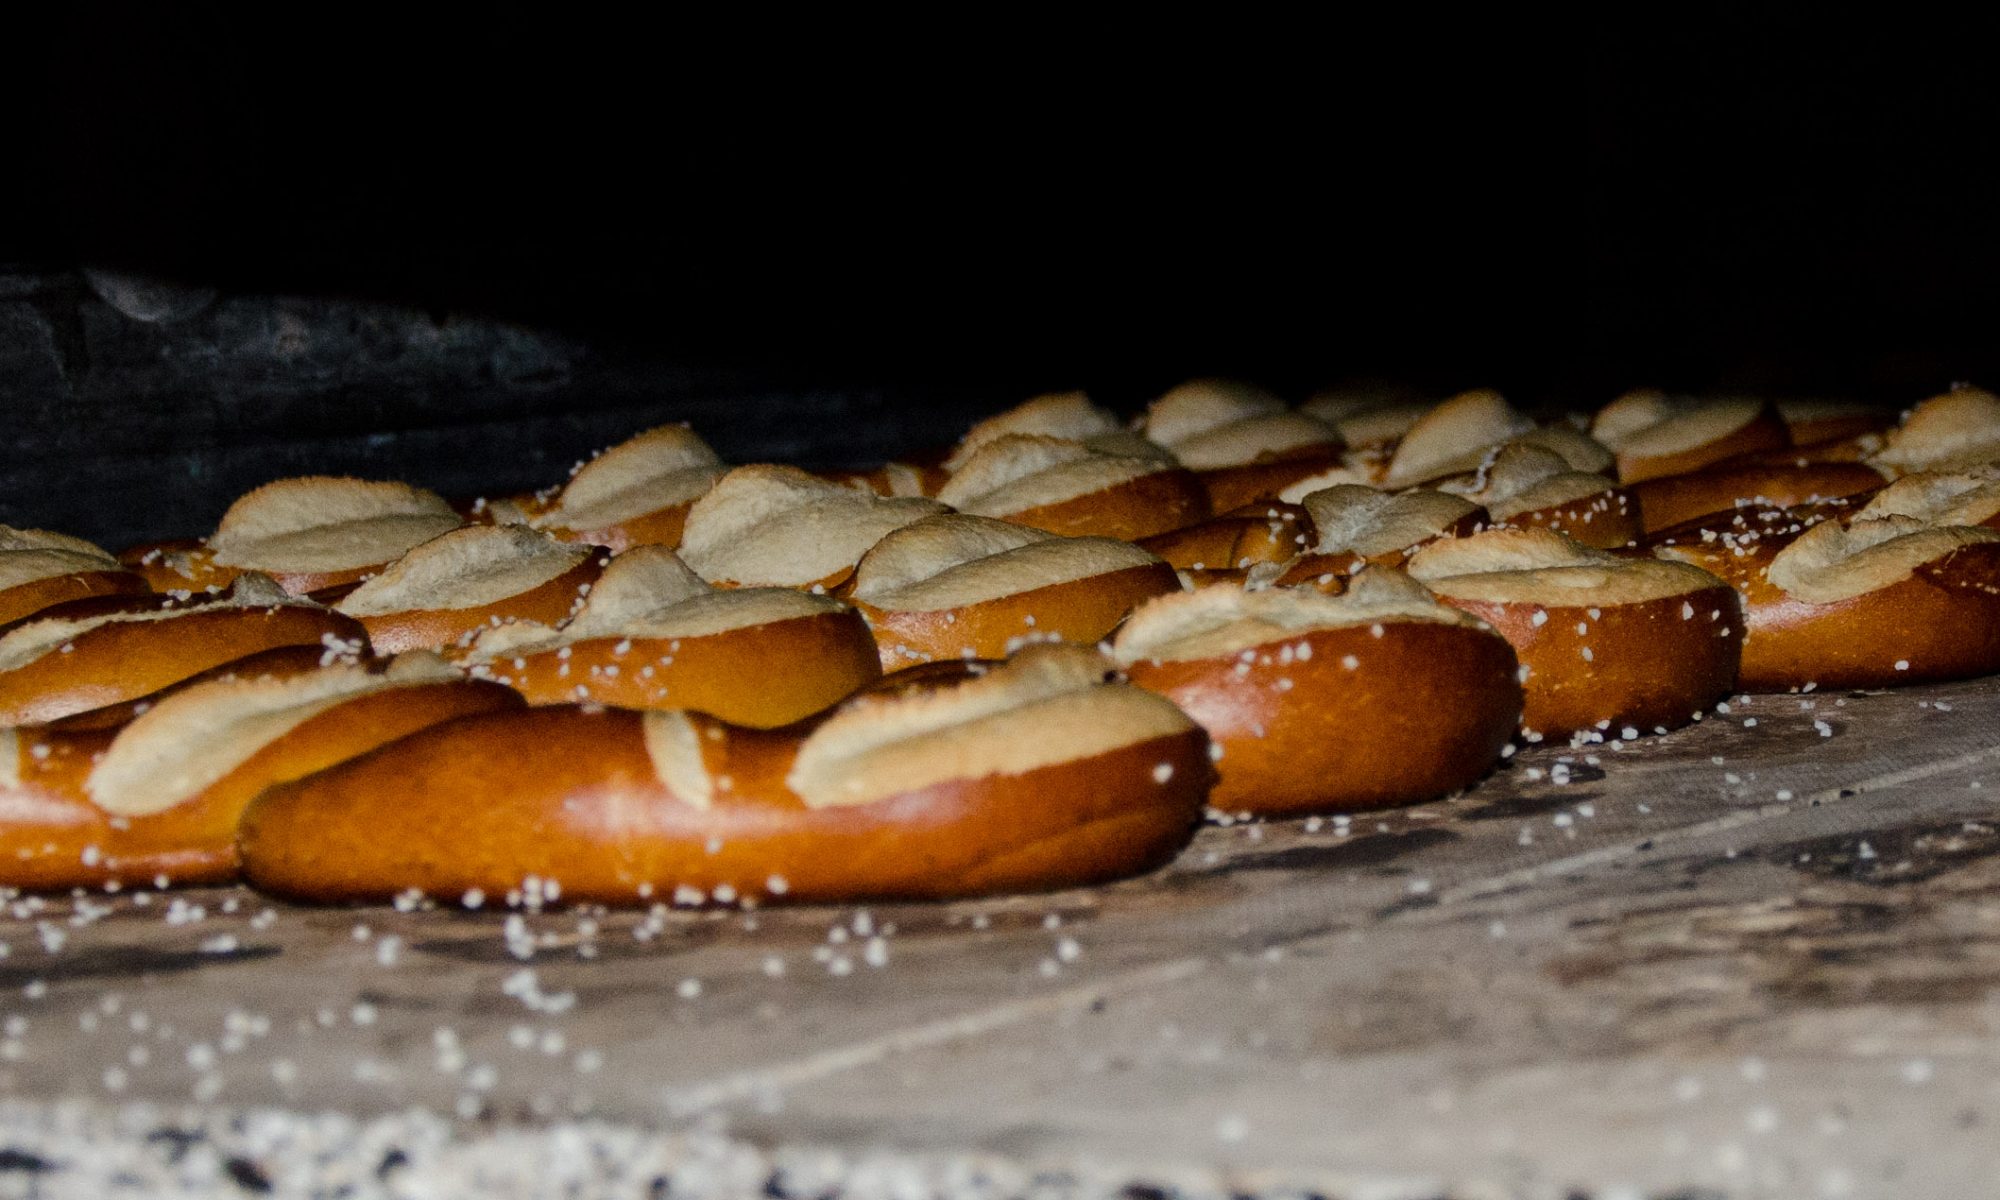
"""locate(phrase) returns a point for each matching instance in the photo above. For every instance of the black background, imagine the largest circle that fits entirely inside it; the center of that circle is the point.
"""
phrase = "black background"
(1034, 202)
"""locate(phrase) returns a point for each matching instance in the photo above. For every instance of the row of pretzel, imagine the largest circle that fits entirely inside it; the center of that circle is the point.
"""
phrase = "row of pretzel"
(1031, 660)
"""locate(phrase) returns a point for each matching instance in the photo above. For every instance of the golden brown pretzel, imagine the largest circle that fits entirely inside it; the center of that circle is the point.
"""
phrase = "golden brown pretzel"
(161, 795)
(1377, 697)
(1031, 776)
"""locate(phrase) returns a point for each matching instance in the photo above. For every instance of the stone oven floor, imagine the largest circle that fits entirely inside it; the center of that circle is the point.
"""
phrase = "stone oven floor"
(1759, 956)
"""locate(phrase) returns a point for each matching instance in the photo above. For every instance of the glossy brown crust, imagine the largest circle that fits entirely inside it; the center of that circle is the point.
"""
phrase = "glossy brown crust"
(526, 506)
(1854, 449)
(1675, 499)
(570, 795)
(126, 660)
(148, 560)
(1233, 487)
(1131, 511)
(1943, 621)
(27, 599)
(1765, 431)
(203, 572)
(551, 603)
(1839, 428)
(282, 663)
(1329, 572)
(1256, 533)
(1652, 665)
(1081, 610)
(99, 606)
(761, 676)
(1423, 710)
(52, 836)
(1610, 520)
(661, 527)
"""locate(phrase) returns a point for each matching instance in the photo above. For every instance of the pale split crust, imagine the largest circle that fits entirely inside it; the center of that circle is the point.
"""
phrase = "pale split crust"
(1958, 429)
(950, 562)
(1656, 435)
(1354, 470)
(1047, 705)
(1200, 406)
(1570, 443)
(1223, 620)
(1068, 488)
(1241, 440)
(1361, 526)
(967, 587)
(1540, 566)
(927, 548)
(42, 539)
(673, 743)
(634, 585)
(1366, 522)
(1838, 560)
(32, 556)
(1067, 415)
(1519, 477)
(1454, 437)
(653, 635)
(1017, 472)
(706, 615)
(469, 567)
(1534, 481)
(656, 469)
(781, 527)
(1379, 426)
(322, 524)
(1965, 498)
(1254, 439)
(19, 568)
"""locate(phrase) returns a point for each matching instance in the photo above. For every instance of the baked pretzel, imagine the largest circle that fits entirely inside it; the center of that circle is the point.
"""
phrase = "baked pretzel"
(1526, 486)
(1377, 697)
(82, 655)
(951, 780)
(1242, 442)
(653, 635)
(1606, 643)
(636, 493)
(957, 586)
(1905, 590)
(1066, 487)
(453, 586)
(772, 526)
(160, 796)
(39, 569)
(1360, 526)
(1655, 435)
(307, 534)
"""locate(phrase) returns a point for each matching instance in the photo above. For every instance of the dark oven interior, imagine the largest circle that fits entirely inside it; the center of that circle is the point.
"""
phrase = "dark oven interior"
(467, 255)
